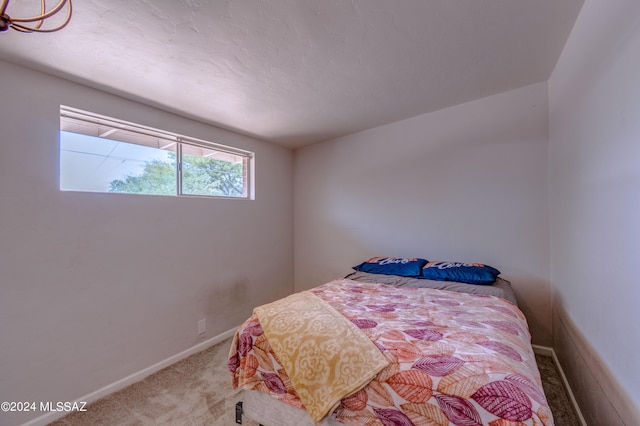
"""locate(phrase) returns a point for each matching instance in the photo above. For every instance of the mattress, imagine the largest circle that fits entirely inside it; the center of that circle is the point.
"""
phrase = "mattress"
(268, 411)
(500, 288)
(454, 358)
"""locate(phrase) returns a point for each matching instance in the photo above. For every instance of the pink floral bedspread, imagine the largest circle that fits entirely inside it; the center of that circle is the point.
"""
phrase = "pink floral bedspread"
(455, 358)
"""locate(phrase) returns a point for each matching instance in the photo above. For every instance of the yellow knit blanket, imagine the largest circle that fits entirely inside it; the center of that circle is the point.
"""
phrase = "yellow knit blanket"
(324, 354)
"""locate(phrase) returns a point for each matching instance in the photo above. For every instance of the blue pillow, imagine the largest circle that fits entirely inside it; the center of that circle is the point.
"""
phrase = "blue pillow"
(406, 267)
(470, 273)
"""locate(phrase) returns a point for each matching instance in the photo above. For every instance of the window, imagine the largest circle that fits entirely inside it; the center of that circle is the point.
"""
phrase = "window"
(102, 154)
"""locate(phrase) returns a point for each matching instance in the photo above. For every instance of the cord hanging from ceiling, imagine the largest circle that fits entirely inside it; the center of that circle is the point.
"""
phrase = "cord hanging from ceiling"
(35, 24)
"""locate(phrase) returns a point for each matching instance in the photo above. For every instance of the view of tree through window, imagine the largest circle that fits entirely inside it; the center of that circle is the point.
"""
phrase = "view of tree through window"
(100, 156)
(202, 173)
(200, 176)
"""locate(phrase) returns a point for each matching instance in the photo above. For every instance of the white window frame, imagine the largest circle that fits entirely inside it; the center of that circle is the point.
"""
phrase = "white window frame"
(90, 118)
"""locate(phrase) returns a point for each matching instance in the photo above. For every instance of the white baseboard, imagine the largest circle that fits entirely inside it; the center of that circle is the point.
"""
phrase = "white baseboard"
(546, 351)
(133, 378)
(543, 350)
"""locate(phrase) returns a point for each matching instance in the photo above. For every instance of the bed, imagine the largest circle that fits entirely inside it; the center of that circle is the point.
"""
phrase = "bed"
(415, 352)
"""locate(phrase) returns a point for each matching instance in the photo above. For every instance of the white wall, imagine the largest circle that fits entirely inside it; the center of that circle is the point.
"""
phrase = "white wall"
(595, 198)
(95, 287)
(468, 183)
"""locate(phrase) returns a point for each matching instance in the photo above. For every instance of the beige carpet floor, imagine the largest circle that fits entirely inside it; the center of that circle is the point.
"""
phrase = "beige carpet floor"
(197, 391)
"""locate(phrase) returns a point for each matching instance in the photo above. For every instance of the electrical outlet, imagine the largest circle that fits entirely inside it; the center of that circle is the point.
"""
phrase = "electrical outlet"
(202, 326)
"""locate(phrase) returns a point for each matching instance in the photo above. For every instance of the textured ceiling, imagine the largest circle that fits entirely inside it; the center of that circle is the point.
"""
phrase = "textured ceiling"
(300, 71)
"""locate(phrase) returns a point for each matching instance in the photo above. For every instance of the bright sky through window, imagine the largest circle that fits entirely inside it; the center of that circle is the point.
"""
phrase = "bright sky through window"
(88, 163)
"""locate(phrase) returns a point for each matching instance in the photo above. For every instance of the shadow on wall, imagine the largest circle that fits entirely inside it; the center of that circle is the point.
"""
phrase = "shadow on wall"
(598, 393)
